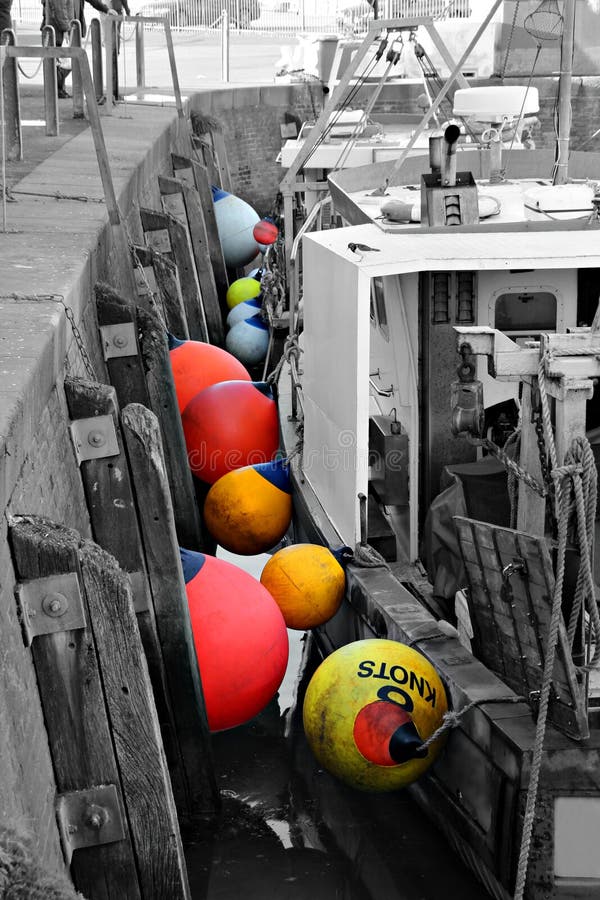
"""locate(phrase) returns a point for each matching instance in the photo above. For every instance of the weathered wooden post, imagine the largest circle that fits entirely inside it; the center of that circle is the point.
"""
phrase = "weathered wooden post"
(183, 202)
(147, 378)
(119, 341)
(114, 805)
(104, 470)
(195, 175)
(166, 234)
(144, 450)
(148, 293)
(163, 402)
(167, 280)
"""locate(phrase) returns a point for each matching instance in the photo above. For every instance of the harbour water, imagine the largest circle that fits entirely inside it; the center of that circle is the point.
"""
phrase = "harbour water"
(290, 831)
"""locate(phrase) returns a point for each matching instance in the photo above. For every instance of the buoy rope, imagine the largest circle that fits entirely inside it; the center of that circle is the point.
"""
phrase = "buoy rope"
(452, 718)
(58, 195)
(368, 557)
(291, 350)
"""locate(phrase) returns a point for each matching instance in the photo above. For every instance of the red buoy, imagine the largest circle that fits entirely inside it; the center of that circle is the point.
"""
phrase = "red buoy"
(197, 365)
(240, 638)
(230, 425)
(265, 232)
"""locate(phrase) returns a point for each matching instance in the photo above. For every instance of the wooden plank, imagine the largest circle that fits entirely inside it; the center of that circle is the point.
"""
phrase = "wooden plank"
(167, 280)
(200, 180)
(519, 646)
(135, 728)
(113, 517)
(71, 692)
(163, 402)
(125, 372)
(148, 294)
(164, 233)
(203, 146)
(220, 149)
(144, 448)
(183, 202)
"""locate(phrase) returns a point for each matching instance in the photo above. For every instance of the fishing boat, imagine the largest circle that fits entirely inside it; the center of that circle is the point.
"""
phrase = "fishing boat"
(439, 412)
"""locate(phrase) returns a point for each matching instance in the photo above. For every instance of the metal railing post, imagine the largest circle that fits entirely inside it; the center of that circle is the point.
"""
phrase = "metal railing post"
(140, 63)
(75, 41)
(50, 83)
(109, 67)
(13, 140)
(224, 45)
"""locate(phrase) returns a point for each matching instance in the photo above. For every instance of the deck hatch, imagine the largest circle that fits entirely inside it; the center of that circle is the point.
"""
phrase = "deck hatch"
(511, 583)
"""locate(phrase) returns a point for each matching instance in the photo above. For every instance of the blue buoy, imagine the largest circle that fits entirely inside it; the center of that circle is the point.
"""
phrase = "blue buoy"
(244, 310)
(248, 341)
(235, 223)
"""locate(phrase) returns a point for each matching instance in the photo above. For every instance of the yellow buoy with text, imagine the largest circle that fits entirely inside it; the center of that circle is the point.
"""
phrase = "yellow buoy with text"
(307, 582)
(367, 711)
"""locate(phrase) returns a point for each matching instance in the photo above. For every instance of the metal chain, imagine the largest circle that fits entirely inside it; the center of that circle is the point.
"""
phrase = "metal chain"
(510, 464)
(58, 298)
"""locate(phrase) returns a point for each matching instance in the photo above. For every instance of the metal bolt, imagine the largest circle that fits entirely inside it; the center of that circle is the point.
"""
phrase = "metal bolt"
(71, 829)
(120, 341)
(95, 817)
(55, 604)
(96, 439)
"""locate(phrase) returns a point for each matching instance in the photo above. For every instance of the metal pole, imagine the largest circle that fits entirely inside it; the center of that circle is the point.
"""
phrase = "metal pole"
(224, 45)
(564, 93)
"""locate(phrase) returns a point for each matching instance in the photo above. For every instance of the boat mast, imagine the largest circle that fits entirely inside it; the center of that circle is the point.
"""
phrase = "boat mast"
(564, 92)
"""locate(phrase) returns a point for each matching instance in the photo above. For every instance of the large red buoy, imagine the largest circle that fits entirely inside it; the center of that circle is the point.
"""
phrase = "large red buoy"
(240, 638)
(249, 510)
(197, 365)
(230, 425)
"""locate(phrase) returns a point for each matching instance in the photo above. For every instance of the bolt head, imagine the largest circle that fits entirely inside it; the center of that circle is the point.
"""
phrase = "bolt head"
(96, 439)
(120, 341)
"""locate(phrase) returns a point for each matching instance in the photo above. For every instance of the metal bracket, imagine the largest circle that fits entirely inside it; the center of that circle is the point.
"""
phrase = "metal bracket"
(89, 818)
(49, 605)
(140, 591)
(159, 239)
(118, 340)
(94, 438)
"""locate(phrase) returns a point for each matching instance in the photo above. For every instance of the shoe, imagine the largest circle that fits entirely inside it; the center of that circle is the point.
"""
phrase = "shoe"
(62, 94)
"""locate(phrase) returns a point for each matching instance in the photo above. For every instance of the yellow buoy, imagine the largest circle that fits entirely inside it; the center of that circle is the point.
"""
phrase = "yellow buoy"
(307, 583)
(367, 710)
(240, 290)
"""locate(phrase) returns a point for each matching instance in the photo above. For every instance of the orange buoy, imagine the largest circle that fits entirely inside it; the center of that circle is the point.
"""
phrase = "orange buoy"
(307, 581)
(197, 365)
(240, 638)
(367, 711)
(249, 510)
(230, 425)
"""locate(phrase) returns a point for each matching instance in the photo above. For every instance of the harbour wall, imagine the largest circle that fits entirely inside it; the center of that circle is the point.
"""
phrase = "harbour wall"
(52, 254)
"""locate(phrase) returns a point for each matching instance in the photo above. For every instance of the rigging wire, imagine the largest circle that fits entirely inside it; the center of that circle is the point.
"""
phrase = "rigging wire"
(334, 119)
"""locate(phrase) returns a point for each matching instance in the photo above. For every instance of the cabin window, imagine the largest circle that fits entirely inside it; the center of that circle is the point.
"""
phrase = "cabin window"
(526, 313)
(378, 306)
